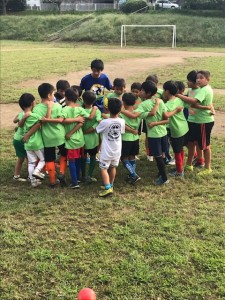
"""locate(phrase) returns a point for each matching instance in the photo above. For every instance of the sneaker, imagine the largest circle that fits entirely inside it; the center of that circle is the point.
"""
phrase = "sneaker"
(102, 187)
(195, 158)
(74, 186)
(205, 172)
(106, 193)
(199, 165)
(88, 160)
(150, 158)
(176, 174)
(160, 181)
(38, 174)
(18, 178)
(35, 182)
(171, 162)
(62, 179)
(189, 168)
(89, 179)
(134, 179)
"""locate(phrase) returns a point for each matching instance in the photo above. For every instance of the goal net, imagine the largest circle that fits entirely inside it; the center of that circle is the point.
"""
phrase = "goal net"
(123, 32)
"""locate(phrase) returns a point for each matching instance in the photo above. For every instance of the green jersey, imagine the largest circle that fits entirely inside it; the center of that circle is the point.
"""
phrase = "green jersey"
(76, 140)
(158, 94)
(91, 139)
(134, 124)
(53, 134)
(18, 135)
(35, 142)
(177, 123)
(144, 108)
(205, 97)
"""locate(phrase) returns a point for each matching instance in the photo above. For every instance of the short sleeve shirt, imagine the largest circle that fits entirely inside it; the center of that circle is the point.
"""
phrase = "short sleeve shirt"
(18, 135)
(134, 124)
(35, 142)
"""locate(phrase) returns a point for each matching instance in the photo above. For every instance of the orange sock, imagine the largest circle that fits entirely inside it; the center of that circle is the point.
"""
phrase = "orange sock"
(62, 164)
(50, 167)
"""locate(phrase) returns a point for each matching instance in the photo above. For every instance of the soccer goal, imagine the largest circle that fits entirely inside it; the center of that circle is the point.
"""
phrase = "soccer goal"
(123, 32)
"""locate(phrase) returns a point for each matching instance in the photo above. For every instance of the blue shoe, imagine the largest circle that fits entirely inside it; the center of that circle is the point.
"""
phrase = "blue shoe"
(175, 174)
(88, 160)
(160, 181)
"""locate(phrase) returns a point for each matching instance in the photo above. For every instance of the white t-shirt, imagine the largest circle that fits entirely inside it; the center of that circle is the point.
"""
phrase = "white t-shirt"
(111, 130)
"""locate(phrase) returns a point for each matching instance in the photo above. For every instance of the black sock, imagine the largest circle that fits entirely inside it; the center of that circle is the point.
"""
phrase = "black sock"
(161, 167)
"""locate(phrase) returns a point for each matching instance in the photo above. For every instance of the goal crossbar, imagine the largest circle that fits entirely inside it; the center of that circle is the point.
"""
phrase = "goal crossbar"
(123, 33)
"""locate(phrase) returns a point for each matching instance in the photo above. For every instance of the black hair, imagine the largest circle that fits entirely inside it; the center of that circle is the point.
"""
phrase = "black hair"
(205, 73)
(26, 100)
(97, 64)
(78, 88)
(152, 78)
(62, 85)
(89, 97)
(44, 89)
(180, 85)
(192, 76)
(119, 82)
(149, 87)
(114, 106)
(171, 86)
(128, 99)
(71, 95)
(136, 86)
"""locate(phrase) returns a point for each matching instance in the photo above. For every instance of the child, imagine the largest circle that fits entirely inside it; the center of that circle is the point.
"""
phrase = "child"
(202, 121)
(135, 90)
(96, 82)
(154, 78)
(19, 147)
(77, 88)
(91, 137)
(119, 87)
(130, 139)
(33, 141)
(61, 86)
(177, 124)
(111, 130)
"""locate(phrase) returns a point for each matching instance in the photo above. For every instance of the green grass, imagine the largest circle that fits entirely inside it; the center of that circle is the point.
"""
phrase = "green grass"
(145, 242)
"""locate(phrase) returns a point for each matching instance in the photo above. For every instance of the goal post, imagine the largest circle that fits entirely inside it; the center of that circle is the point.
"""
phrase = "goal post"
(123, 33)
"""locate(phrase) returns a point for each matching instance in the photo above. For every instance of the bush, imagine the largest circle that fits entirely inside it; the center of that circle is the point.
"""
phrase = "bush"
(132, 6)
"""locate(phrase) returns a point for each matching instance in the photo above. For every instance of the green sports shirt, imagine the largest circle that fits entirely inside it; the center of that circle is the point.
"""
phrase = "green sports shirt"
(134, 124)
(35, 142)
(18, 135)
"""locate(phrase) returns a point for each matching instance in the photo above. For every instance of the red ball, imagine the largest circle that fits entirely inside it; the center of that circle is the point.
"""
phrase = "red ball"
(86, 294)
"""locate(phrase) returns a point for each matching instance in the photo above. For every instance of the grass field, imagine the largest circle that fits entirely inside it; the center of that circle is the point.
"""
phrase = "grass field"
(144, 243)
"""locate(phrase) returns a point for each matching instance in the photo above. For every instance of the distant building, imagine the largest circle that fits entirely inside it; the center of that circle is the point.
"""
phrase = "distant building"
(34, 4)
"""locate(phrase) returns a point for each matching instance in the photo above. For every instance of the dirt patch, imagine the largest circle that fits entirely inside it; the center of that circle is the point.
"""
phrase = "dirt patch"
(122, 68)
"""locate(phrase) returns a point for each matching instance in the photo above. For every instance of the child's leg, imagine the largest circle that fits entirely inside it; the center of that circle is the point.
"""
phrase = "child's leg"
(179, 162)
(21, 155)
(32, 158)
(41, 162)
(161, 167)
(73, 172)
(49, 154)
(191, 152)
(62, 159)
(92, 165)
(78, 166)
(207, 156)
(83, 166)
(112, 174)
(18, 166)
(105, 178)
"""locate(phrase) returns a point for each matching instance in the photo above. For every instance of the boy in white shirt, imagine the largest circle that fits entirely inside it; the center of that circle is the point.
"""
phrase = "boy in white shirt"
(111, 130)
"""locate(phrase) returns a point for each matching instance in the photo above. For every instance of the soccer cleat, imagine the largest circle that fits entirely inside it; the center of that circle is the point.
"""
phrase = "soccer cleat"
(89, 179)
(199, 165)
(106, 193)
(134, 179)
(37, 174)
(176, 174)
(189, 168)
(150, 158)
(35, 182)
(171, 162)
(74, 186)
(160, 181)
(18, 178)
(205, 172)
(62, 179)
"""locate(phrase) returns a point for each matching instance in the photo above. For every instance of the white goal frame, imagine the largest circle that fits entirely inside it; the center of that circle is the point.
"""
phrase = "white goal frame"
(123, 33)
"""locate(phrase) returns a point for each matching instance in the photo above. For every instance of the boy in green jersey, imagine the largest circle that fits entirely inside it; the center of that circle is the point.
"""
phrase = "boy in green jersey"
(136, 90)
(91, 138)
(119, 87)
(202, 121)
(33, 141)
(130, 139)
(177, 124)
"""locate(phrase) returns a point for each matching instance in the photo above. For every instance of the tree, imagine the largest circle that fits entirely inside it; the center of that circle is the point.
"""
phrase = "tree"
(3, 4)
(16, 5)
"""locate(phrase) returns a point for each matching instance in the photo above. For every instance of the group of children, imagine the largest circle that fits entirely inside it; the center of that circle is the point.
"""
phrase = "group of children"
(78, 122)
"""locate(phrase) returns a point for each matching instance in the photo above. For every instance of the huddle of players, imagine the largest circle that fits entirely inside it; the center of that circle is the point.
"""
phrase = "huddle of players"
(81, 120)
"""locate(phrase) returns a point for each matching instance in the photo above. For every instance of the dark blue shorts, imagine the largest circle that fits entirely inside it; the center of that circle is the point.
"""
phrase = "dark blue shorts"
(157, 146)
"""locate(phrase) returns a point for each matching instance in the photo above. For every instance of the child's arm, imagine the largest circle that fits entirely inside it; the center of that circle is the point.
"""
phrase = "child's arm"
(155, 108)
(93, 113)
(22, 121)
(204, 107)
(89, 130)
(169, 114)
(16, 120)
(72, 131)
(49, 120)
(163, 122)
(131, 130)
(31, 131)
(49, 111)
(104, 116)
(78, 119)
(131, 115)
(187, 99)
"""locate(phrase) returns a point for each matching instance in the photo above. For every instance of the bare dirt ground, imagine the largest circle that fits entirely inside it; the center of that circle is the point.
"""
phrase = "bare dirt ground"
(123, 68)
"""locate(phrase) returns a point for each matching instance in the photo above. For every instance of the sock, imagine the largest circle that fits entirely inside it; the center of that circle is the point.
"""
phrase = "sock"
(129, 168)
(133, 164)
(31, 167)
(92, 165)
(50, 167)
(147, 151)
(62, 164)
(161, 167)
(179, 162)
(73, 172)
(83, 167)
(182, 155)
(108, 186)
(78, 165)
(200, 160)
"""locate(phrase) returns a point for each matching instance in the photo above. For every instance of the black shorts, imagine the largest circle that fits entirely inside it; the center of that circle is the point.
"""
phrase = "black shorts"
(144, 127)
(157, 146)
(91, 152)
(200, 133)
(178, 143)
(130, 148)
(50, 155)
